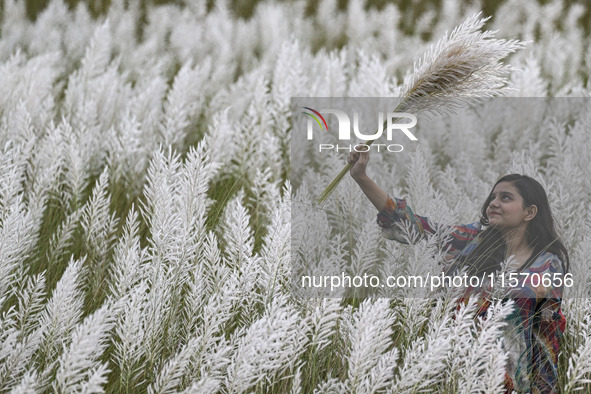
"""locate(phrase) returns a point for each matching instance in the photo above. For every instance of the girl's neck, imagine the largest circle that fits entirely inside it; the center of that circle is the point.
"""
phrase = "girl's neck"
(517, 243)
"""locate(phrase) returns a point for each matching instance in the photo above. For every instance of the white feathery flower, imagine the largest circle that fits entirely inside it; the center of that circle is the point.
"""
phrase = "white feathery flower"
(462, 66)
(579, 368)
(27, 385)
(79, 366)
(369, 334)
(61, 314)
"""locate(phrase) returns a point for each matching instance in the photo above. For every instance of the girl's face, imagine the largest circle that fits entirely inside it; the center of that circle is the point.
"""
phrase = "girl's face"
(506, 211)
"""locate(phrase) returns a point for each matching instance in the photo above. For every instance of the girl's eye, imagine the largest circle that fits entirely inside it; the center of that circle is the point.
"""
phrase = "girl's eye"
(505, 198)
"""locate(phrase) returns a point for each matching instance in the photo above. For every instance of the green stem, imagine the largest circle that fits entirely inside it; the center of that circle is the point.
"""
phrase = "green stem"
(335, 182)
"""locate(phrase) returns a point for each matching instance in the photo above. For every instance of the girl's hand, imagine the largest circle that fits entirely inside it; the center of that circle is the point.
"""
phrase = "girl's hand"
(358, 161)
(374, 193)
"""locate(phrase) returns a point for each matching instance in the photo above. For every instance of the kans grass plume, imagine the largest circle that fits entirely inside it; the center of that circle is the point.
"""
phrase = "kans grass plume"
(463, 68)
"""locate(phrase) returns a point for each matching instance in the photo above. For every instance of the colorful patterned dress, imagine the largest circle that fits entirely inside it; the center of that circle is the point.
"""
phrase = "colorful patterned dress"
(533, 330)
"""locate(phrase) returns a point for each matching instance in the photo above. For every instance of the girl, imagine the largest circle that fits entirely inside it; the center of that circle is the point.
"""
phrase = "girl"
(518, 222)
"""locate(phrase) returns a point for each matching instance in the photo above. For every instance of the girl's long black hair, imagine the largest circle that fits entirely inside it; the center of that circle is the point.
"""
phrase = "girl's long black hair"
(491, 250)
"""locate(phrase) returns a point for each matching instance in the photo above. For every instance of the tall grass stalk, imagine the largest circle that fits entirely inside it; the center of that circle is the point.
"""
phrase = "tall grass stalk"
(461, 68)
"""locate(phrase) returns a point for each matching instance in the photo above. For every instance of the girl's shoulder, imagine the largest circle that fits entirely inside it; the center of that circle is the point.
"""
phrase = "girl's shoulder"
(546, 261)
(470, 229)
(476, 226)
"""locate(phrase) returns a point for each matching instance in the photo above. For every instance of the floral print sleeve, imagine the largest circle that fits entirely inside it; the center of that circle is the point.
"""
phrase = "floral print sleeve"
(397, 215)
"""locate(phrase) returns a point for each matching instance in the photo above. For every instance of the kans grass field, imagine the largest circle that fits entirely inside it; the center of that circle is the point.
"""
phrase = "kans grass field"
(146, 188)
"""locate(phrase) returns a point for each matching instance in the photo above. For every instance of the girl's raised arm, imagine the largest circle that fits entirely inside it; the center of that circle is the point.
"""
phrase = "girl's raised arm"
(374, 193)
(393, 211)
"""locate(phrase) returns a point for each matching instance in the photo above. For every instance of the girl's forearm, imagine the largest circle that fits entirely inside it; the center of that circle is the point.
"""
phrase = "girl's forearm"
(374, 193)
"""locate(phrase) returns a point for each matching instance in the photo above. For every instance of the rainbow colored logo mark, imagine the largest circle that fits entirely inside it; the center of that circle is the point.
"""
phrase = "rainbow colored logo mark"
(315, 118)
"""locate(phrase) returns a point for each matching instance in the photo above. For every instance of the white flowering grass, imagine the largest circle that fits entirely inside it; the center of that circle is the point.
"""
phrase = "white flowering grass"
(146, 221)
